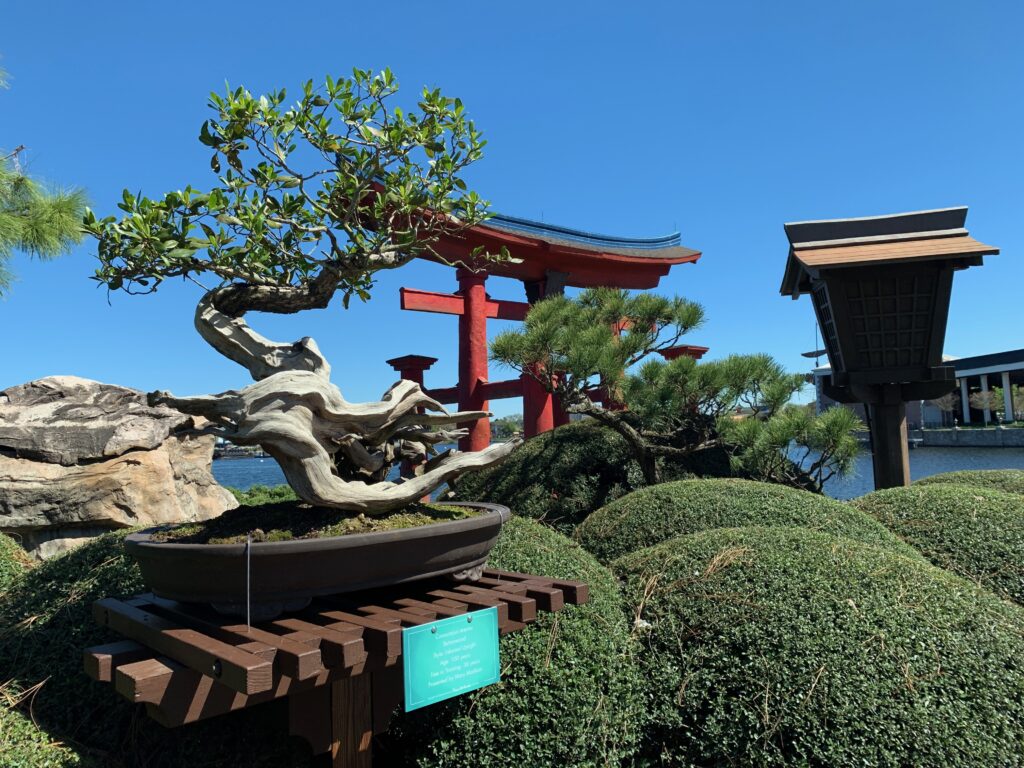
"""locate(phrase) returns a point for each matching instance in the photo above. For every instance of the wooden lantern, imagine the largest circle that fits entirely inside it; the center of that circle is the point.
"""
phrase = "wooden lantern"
(881, 288)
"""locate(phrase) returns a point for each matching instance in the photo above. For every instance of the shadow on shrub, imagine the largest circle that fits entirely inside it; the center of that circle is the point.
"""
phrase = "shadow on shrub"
(652, 515)
(569, 694)
(783, 646)
(1008, 480)
(972, 531)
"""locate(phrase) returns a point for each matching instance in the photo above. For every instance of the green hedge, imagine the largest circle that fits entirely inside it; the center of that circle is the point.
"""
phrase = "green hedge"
(562, 476)
(13, 562)
(570, 694)
(651, 515)
(570, 690)
(1008, 480)
(789, 647)
(558, 477)
(975, 532)
(46, 621)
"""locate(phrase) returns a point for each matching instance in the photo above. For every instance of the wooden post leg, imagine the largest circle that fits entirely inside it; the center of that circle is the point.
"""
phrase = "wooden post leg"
(352, 722)
(889, 440)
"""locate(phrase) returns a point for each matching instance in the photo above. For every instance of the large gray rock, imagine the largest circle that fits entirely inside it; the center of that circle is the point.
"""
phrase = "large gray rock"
(79, 458)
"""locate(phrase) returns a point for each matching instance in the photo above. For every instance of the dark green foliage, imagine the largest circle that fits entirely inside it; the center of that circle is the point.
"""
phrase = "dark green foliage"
(789, 647)
(264, 494)
(1008, 480)
(558, 477)
(46, 621)
(973, 531)
(13, 562)
(562, 476)
(570, 674)
(651, 515)
(569, 694)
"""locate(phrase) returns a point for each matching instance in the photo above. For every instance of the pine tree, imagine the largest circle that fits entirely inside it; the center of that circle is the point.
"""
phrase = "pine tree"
(41, 222)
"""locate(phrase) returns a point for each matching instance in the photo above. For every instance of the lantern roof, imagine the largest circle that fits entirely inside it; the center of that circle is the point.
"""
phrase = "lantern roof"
(876, 240)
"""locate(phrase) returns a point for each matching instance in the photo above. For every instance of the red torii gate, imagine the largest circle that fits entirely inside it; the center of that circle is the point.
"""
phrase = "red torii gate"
(545, 259)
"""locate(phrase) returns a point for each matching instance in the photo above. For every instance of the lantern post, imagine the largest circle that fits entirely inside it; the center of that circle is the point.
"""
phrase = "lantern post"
(881, 287)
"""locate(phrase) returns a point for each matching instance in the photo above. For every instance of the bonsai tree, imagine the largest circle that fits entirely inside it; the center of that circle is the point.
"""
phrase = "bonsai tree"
(584, 349)
(41, 222)
(312, 199)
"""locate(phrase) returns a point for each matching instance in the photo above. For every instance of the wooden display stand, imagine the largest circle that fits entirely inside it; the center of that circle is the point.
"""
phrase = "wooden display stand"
(338, 662)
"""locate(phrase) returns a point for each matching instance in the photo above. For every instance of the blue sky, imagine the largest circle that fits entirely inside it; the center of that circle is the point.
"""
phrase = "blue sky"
(722, 120)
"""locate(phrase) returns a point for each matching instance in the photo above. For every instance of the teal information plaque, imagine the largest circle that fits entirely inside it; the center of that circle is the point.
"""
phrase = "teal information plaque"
(451, 656)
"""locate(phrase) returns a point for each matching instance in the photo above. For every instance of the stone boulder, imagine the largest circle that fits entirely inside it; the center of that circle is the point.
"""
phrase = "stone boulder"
(79, 458)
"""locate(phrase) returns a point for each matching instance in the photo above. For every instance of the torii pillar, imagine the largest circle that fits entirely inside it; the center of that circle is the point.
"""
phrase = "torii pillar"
(473, 357)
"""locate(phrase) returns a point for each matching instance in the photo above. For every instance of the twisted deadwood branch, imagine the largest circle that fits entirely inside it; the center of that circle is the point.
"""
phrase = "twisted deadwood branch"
(301, 419)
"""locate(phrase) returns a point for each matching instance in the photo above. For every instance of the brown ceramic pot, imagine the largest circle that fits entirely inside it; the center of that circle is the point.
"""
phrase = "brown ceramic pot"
(286, 575)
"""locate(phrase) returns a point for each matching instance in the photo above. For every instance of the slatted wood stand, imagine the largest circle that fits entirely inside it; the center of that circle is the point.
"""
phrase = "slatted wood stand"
(338, 662)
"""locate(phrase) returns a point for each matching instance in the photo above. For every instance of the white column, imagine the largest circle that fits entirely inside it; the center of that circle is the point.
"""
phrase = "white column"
(965, 401)
(1007, 400)
(986, 413)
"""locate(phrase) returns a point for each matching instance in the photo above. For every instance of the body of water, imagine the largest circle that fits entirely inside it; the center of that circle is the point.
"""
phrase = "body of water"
(925, 462)
(245, 473)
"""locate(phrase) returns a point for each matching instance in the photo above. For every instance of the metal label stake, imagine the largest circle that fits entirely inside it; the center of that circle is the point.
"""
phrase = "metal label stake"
(248, 581)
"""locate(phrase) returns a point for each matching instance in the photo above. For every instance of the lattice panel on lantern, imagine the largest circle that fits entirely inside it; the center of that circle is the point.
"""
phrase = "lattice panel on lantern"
(891, 319)
(828, 325)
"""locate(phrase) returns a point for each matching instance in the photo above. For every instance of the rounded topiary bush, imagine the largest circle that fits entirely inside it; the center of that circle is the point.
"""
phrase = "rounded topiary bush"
(45, 623)
(569, 694)
(561, 476)
(652, 515)
(558, 477)
(784, 646)
(14, 561)
(1008, 480)
(975, 532)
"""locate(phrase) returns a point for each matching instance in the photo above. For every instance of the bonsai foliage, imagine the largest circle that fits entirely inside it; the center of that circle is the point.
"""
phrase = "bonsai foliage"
(583, 350)
(41, 222)
(312, 199)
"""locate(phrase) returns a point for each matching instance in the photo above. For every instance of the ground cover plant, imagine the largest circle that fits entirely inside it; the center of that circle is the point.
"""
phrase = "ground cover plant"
(973, 531)
(1009, 480)
(286, 520)
(790, 647)
(13, 562)
(577, 663)
(652, 515)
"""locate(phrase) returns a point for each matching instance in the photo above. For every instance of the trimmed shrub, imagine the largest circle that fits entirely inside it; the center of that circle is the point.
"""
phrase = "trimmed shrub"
(569, 694)
(784, 646)
(975, 532)
(1008, 480)
(560, 477)
(14, 561)
(651, 515)
(46, 622)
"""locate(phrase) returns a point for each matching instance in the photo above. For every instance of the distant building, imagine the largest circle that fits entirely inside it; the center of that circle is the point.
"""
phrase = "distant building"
(973, 374)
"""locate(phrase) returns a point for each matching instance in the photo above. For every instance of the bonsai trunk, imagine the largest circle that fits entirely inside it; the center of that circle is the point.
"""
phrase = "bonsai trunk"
(301, 419)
